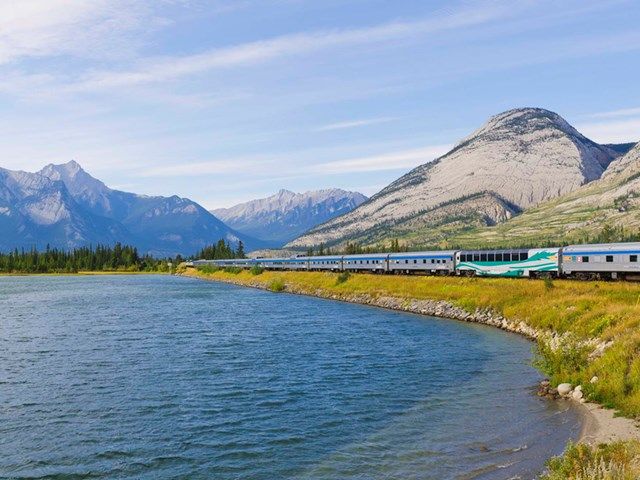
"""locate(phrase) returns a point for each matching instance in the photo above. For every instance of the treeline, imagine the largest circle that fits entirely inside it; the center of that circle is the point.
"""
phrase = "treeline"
(100, 258)
(353, 248)
(607, 234)
(221, 251)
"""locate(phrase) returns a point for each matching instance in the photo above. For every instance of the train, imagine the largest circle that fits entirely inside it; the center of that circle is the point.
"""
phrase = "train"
(609, 261)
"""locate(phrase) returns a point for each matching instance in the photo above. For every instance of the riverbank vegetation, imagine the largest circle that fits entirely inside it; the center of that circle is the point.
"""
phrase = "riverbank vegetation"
(119, 258)
(614, 461)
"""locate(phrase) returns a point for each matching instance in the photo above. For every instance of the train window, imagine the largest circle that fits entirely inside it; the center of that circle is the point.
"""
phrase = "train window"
(433, 261)
(585, 259)
(406, 261)
(633, 258)
(483, 257)
(499, 257)
(476, 257)
(507, 257)
(415, 261)
(524, 256)
(609, 259)
(491, 257)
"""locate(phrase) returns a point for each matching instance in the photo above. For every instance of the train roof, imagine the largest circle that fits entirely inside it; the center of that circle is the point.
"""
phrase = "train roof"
(430, 253)
(604, 248)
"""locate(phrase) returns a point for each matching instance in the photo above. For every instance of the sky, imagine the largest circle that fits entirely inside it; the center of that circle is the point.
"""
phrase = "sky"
(224, 101)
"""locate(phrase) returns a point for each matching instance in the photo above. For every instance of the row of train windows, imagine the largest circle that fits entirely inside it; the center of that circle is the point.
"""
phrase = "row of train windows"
(355, 262)
(607, 258)
(494, 257)
(424, 260)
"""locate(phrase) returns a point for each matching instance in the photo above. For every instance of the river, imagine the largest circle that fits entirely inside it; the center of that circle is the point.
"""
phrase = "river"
(167, 377)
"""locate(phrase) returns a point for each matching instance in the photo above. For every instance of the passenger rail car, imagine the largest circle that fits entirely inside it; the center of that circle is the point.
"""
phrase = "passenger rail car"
(509, 263)
(442, 263)
(609, 261)
(602, 261)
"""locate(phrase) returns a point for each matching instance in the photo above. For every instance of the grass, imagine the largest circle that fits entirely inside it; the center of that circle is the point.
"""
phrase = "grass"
(256, 270)
(614, 461)
(581, 311)
(276, 285)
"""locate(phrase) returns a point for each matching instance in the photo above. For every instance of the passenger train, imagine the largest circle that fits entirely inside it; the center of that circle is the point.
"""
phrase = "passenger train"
(590, 262)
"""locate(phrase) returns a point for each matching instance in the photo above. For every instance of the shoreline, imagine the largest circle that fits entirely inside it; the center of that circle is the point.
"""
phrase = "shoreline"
(87, 273)
(599, 424)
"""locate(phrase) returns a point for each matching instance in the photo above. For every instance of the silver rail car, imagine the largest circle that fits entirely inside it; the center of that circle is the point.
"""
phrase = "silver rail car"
(436, 262)
(602, 261)
(373, 262)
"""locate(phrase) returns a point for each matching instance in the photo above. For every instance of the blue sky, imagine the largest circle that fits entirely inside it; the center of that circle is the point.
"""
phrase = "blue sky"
(224, 101)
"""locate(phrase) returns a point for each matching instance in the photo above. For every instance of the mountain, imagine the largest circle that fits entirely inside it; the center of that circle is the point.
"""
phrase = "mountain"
(35, 210)
(517, 160)
(286, 215)
(64, 206)
(611, 203)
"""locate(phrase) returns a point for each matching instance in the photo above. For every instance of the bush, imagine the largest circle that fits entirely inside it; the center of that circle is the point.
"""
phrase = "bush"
(614, 461)
(548, 284)
(343, 277)
(256, 270)
(234, 270)
(208, 269)
(564, 362)
(276, 285)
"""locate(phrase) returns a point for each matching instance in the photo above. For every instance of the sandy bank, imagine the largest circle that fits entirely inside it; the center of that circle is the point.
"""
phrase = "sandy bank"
(600, 425)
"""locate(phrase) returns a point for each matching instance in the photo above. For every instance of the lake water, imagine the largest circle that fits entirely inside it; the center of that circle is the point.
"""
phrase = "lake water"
(152, 377)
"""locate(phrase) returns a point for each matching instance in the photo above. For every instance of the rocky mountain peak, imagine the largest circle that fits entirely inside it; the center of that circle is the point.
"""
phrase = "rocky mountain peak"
(286, 214)
(76, 179)
(520, 157)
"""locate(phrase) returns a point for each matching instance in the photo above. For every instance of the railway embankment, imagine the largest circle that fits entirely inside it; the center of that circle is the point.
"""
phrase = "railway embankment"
(587, 333)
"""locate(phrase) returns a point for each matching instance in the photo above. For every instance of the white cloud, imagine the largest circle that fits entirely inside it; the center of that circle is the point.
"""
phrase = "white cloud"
(96, 28)
(626, 112)
(390, 161)
(622, 131)
(355, 124)
(162, 69)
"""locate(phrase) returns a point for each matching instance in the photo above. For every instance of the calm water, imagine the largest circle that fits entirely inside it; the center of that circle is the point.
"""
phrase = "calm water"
(163, 377)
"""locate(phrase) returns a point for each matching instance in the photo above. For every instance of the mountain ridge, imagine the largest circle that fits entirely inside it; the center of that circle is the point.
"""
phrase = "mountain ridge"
(64, 206)
(523, 157)
(285, 215)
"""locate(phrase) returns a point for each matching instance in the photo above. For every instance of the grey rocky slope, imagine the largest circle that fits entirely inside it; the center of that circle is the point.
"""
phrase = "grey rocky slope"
(286, 215)
(64, 206)
(610, 204)
(517, 160)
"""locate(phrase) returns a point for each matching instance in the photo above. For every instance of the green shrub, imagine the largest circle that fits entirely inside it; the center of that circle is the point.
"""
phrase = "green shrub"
(256, 270)
(548, 284)
(613, 461)
(342, 277)
(208, 269)
(276, 285)
(234, 270)
(564, 362)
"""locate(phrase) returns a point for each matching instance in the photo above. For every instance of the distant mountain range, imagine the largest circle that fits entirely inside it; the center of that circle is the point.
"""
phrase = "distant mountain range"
(63, 206)
(518, 160)
(284, 216)
(526, 174)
